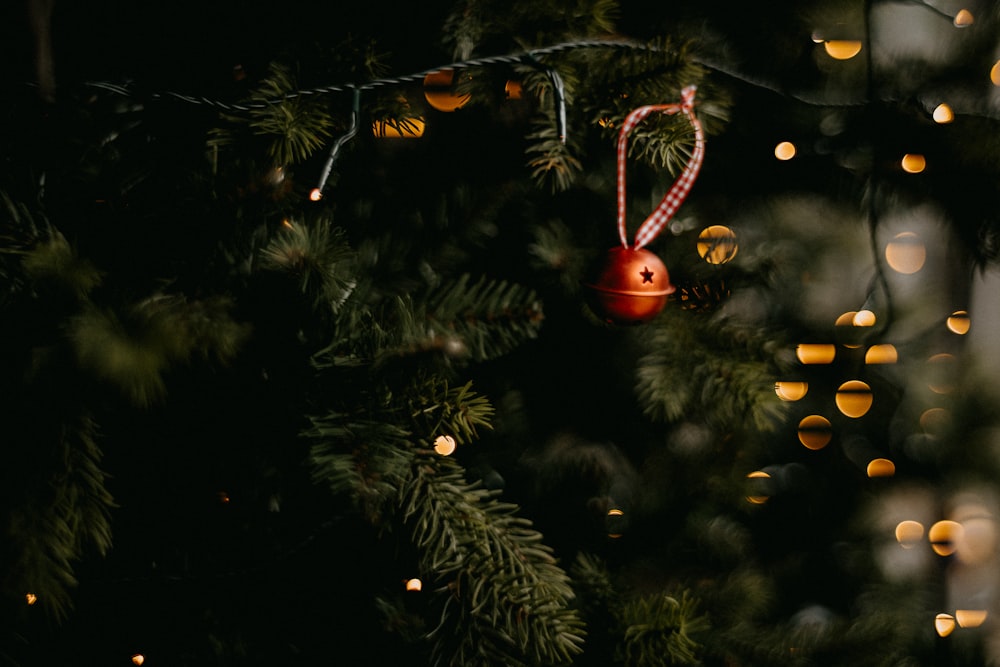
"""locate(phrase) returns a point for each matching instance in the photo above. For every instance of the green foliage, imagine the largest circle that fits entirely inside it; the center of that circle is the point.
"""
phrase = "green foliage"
(54, 265)
(659, 630)
(504, 599)
(455, 411)
(699, 365)
(65, 516)
(370, 462)
(133, 351)
(490, 317)
(293, 127)
(317, 256)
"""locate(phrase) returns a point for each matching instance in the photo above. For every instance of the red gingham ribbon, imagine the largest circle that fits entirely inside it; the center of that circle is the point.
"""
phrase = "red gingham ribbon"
(679, 190)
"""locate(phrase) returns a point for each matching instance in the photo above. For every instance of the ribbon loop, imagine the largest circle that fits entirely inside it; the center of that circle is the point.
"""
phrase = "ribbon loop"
(672, 201)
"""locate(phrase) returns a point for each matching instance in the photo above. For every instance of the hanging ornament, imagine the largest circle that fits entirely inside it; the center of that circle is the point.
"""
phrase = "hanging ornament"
(633, 284)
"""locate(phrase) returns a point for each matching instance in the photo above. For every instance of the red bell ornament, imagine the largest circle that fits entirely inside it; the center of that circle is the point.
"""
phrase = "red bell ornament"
(631, 287)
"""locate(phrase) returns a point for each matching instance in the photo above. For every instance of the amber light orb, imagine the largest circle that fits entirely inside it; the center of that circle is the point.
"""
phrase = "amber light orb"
(944, 536)
(815, 432)
(439, 90)
(791, 390)
(944, 624)
(815, 353)
(842, 49)
(909, 533)
(631, 286)
(444, 445)
(717, 244)
(854, 398)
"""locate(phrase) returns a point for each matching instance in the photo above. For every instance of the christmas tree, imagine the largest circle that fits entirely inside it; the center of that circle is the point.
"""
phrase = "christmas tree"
(308, 351)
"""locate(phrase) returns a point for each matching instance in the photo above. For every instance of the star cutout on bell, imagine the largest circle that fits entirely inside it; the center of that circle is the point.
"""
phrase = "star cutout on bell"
(647, 275)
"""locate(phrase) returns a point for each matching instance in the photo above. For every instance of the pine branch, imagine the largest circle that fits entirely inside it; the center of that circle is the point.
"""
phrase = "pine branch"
(697, 361)
(134, 350)
(294, 128)
(659, 629)
(455, 411)
(506, 600)
(370, 462)
(318, 257)
(61, 519)
(490, 317)
(54, 266)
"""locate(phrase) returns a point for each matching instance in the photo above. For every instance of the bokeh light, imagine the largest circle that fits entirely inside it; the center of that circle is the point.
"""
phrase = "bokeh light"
(815, 353)
(138, 658)
(785, 150)
(906, 253)
(943, 114)
(413, 584)
(409, 128)
(944, 536)
(790, 390)
(881, 353)
(760, 487)
(854, 398)
(444, 445)
(30, 598)
(964, 18)
(909, 533)
(842, 49)
(944, 624)
(970, 618)
(440, 92)
(881, 468)
(913, 163)
(815, 432)
(959, 322)
(942, 370)
(717, 244)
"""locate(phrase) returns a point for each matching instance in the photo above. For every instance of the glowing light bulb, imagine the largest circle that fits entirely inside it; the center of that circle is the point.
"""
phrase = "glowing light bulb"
(906, 253)
(815, 432)
(970, 618)
(944, 624)
(784, 150)
(913, 163)
(909, 533)
(854, 398)
(943, 114)
(315, 194)
(943, 536)
(439, 90)
(816, 353)
(138, 659)
(717, 244)
(881, 353)
(959, 322)
(964, 18)
(30, 598)
(790, 390)
(444, 445)
(863, 318)
(881, 468)
(842, 49)
(413, 584)
(407, 128)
